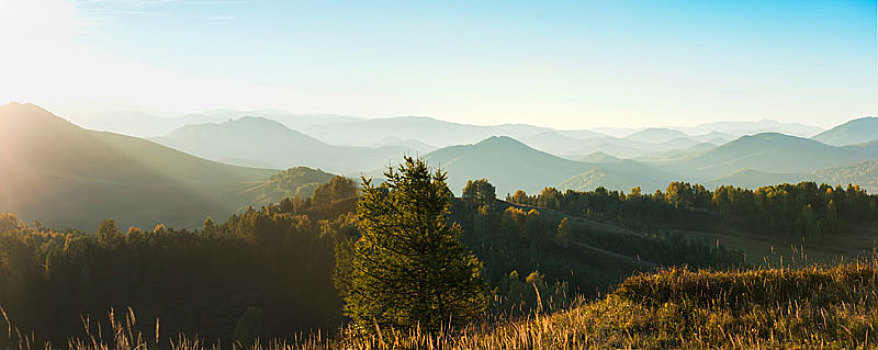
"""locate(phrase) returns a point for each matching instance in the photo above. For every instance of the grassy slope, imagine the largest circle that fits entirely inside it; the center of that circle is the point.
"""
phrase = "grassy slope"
(805, 309)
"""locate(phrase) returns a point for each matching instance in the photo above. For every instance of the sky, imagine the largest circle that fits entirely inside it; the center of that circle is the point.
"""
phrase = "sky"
(563, 64)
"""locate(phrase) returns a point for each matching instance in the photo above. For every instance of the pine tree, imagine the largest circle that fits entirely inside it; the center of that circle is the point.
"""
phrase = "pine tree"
(410, 269)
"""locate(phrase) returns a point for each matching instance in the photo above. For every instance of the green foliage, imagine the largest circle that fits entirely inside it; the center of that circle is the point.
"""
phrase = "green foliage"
(275, 259)
(509, 238)
(803, 209)
(410, 269)
(479, 192)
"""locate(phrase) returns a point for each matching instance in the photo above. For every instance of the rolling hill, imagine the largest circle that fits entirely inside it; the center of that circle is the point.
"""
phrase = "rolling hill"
(67, 176)
(853, 132)
(511, 165)
(298, 182)
(261, 141)
(507, 163)
(769, 152)
(618, 175)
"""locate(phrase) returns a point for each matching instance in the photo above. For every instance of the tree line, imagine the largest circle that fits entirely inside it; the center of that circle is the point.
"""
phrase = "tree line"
(804, 209)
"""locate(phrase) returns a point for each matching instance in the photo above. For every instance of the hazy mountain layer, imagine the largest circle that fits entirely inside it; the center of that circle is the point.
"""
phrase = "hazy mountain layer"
(250, 140)
(853, 132)
(71, 177)
(771, 152)
(511, 165)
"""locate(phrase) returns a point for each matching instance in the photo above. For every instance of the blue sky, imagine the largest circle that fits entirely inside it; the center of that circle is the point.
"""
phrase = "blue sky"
(564, 64)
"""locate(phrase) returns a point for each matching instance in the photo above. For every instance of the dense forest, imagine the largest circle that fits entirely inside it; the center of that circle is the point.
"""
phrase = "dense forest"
(269, 271)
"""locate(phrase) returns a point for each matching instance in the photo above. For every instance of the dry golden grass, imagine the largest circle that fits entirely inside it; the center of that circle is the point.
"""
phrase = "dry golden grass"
(808, 308)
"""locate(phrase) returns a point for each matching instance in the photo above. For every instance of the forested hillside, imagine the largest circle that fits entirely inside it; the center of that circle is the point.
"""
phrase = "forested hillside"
(282, 258)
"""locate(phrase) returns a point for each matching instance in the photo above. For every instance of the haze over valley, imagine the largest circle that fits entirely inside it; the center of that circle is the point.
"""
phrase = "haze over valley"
(234, 151)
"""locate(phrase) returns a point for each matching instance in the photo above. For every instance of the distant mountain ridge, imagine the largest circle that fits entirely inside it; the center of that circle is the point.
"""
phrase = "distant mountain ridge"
(511, 165)
(856, 131)
(656, 135)
(769, 152)
(257, 139)
(741, 128)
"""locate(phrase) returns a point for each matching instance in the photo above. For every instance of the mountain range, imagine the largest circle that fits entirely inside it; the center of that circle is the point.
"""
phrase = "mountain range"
(353, 131)
(67, 175)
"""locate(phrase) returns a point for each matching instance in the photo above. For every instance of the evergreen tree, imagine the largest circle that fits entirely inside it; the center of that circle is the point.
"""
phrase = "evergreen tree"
(410, 267)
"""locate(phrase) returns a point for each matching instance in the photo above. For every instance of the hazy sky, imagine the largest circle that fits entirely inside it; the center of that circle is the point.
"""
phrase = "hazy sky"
(574, 64)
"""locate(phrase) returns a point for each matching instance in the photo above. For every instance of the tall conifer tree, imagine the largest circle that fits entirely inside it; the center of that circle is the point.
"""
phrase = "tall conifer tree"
(410, 267)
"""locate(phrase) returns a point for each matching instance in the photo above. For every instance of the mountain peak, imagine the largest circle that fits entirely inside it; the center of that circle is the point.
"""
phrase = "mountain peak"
(16, 107)
(600, 157)
(771, 135)
(28, 116)
(500, 140)
(656, 135)
(255, 121)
